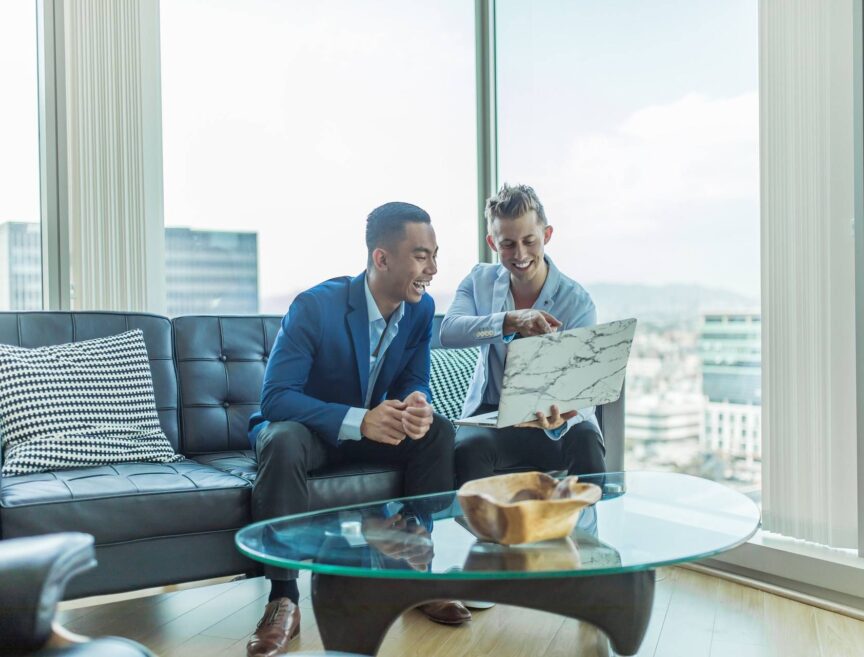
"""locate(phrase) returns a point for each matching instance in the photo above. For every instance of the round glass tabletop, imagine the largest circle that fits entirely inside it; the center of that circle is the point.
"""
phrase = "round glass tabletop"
(644, 520)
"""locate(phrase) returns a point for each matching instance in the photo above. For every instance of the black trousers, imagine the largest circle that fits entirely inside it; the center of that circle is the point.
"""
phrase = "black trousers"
(481, 451)
(288, 451)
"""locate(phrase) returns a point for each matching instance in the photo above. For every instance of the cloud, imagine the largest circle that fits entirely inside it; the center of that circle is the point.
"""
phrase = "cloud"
(694, 150)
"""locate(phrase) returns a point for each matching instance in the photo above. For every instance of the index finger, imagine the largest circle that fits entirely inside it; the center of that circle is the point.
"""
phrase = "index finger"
(542, 325)
(418, 411)
(553, 321)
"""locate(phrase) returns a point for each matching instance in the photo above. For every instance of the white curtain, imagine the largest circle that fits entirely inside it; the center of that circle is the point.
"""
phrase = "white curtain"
(808, 351)
(114, 146)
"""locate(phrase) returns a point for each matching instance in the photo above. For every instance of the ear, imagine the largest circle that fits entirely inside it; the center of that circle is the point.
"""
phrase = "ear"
(491, 243)
(547, 234)
(379, 259)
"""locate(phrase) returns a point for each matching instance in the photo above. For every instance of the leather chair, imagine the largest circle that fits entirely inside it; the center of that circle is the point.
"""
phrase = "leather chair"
(33, 576)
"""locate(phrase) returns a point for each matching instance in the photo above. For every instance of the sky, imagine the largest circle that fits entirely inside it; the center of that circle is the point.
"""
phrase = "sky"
(635, 120)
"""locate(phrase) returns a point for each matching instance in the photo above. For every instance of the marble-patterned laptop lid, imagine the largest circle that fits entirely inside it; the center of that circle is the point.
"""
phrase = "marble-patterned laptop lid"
(572, 369)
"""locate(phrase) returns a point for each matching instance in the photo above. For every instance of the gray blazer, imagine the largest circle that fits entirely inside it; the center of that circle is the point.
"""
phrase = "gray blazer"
(476, 319)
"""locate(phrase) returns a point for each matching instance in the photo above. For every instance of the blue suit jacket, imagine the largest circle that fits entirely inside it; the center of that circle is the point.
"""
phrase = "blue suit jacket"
(319, 365)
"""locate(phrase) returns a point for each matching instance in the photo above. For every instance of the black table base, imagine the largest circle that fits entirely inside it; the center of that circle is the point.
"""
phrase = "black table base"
(354, 613)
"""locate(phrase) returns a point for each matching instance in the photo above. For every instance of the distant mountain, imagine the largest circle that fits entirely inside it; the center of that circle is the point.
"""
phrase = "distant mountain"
(665, 304)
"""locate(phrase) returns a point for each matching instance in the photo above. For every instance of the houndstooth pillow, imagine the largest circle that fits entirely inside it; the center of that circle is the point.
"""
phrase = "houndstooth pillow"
(81, 404)
(450, 378)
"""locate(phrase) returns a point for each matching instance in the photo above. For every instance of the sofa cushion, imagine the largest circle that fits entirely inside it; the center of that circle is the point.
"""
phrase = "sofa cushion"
(354, 483)
(37, 329)
(79, 404)
(449, 379)
(125, 502)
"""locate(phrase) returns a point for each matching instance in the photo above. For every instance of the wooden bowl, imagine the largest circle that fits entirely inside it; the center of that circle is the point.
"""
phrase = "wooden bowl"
(560, 554)
(525, 507)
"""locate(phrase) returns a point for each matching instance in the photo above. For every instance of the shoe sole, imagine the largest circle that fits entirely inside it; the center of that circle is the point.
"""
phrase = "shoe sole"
(442, 621)
(446, 622)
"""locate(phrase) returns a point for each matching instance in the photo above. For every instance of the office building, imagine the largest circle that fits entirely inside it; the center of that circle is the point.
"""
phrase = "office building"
(207, 271)
(21, 275)
(210, 271)
(730, 346)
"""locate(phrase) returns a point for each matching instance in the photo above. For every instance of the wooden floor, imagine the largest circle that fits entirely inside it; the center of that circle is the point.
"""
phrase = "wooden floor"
(694, 616)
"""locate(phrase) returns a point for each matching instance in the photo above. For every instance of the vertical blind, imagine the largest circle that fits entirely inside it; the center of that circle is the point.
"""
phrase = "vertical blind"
(808, 351)
(113, 131)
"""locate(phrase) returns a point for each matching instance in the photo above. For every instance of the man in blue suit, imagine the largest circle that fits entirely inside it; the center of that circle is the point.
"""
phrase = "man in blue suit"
(522, 296)
(348, 381)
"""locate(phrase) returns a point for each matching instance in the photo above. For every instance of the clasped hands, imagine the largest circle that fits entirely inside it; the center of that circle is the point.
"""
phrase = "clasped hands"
(397, 538)
(392, 420)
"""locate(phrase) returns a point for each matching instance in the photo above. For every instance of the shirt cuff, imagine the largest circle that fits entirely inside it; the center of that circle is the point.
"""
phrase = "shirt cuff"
(350, 429)
(555, 434)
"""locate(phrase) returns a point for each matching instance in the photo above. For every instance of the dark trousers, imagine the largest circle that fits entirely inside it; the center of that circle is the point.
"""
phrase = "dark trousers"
(288, 451)
(481, 451)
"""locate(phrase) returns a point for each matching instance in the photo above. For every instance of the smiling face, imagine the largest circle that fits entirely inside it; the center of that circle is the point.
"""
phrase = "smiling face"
(407, 267)
(520, 245)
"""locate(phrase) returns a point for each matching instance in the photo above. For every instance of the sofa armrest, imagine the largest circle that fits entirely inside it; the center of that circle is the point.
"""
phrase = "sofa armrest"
(612, 424)
(33, 575)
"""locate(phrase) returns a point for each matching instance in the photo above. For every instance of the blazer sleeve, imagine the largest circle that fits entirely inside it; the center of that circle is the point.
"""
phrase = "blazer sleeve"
(463, 326)
(415, 376)
(291, 360)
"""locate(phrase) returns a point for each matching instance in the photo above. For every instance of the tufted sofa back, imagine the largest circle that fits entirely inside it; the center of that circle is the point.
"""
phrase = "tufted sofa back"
(39, 329)
(220, 365)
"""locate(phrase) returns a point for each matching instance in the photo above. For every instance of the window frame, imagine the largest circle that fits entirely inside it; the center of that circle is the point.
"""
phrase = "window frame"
(762, 557)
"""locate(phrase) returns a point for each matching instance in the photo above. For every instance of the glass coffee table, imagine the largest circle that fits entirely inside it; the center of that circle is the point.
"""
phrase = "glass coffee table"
(372, 562)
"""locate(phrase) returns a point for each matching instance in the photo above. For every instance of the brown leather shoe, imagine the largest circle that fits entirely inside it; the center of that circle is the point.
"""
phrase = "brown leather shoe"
(447, 612)
(280, 624)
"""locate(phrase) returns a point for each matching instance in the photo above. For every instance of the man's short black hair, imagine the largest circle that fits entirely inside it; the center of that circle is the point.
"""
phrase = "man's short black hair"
(385, 225)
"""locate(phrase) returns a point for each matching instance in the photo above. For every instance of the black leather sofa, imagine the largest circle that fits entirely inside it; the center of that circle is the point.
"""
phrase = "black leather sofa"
(159, 524)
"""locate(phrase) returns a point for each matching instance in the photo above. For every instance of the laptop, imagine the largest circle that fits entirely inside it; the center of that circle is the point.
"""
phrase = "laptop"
(571, 369)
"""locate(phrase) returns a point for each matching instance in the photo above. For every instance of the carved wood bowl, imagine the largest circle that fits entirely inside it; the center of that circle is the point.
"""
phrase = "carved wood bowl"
(524, 507)
(560, 554)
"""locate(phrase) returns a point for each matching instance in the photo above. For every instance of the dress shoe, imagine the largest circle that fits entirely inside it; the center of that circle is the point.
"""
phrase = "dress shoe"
(280, 624)
(447, 612)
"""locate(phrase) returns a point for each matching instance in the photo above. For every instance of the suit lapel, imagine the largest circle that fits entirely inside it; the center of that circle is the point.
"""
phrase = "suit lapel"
(499, 290)
(358, 325)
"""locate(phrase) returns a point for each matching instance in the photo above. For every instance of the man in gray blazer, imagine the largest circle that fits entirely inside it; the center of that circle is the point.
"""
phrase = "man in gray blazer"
(522, 296)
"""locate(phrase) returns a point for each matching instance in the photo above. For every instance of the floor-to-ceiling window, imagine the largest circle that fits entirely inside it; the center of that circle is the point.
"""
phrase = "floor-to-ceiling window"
(20, 244)
(285, 123)
(637, 124)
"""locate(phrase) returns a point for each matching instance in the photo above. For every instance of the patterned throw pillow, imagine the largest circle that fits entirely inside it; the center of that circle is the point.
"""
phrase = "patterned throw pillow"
(450, 376)
(81, 404)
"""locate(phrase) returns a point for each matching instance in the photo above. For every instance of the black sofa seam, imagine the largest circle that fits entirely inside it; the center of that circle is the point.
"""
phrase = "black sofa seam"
(223, 360)
(355, 474)
(246, 486)
(216, 359)
(147, 539)
(220, 405)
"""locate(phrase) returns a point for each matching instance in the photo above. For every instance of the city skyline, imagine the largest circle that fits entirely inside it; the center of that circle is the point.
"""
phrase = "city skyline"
(643, 144)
